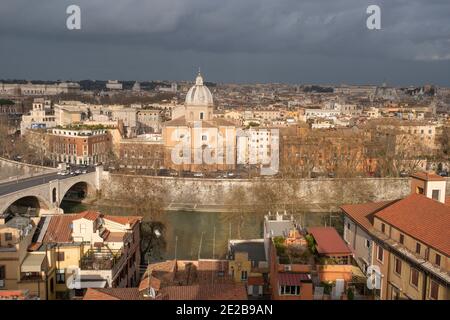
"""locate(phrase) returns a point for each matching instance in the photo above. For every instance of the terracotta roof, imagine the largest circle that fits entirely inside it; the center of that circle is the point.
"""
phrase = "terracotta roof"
(161, 272)
(112, 294)
(177, 122)
(427, 176)
(363, 213)
(60, 229)
(212, 265)
(123, 219)
(13, 294)
(292, 279)
(255, 281)
(422, 218)
(328, 241)
(234, 291)
(223, 122)
(89, 215)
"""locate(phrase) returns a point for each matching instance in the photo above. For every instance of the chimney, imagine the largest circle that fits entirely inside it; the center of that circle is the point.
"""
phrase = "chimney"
(430, 185)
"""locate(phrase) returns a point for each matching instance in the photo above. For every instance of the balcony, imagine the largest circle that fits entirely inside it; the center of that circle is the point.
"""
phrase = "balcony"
(101, 259)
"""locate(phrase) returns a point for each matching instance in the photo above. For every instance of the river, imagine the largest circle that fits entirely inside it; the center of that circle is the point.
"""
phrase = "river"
(189, 235)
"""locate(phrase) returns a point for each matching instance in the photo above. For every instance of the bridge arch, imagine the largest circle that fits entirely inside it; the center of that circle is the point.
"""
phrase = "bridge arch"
(25, 204)
(78, 191)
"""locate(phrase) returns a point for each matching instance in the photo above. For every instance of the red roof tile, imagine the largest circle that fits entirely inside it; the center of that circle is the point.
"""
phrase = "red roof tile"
(123, 219)
(234, 291)
(328, 241)
(112, 294)
(422, 218)
(427, 176)
(60, 229)
(89, 215)
(363, 213)
(292, 279)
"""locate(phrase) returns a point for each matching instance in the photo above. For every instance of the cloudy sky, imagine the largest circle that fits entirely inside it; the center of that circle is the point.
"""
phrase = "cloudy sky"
(296, 41)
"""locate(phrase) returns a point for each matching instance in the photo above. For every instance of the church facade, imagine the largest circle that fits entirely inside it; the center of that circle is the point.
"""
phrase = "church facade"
(196, 141)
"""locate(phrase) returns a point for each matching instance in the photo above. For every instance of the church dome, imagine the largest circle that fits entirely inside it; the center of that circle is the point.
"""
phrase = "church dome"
(199, 94)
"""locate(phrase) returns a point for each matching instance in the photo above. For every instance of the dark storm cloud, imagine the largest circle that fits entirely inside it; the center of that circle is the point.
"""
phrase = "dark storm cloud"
(283, 37)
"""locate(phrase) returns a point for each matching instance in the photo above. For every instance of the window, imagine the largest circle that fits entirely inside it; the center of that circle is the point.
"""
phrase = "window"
(437, 259)
(402, 238)
(380, 254)
(435, 195)
(244, 275)
(383, 227)
(8, 236)
(419, 190)
(60, 256)
(204, 138)
(434, 290)
(60, 276)
(367, 243)
(201, 115)
(289, 290)
(418, 248)
(348, 226)
(414, 277)
(2, 276)
(398, 266)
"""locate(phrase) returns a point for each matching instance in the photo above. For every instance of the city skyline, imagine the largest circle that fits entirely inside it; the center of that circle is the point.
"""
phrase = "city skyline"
(255, 42)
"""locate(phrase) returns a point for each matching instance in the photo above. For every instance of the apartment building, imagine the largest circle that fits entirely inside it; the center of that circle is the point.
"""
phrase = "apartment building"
(149, 121)
(254, 146)
(79, 146)
(21, 270)
(91, 250)
(300, 261)
(247, 264)
(404, 243)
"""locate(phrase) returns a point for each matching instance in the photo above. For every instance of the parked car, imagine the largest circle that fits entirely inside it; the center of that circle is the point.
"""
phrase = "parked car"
(198, 175)
(404, 174)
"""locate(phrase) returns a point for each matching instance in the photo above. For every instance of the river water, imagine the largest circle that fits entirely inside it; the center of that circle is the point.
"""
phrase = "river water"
(189, 235)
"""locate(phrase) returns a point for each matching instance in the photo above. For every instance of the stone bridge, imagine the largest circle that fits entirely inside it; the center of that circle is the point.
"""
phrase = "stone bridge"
(48, 189)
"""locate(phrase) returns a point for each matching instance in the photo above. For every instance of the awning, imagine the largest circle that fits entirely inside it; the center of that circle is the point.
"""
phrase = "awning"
(292, 279)
(34, 262)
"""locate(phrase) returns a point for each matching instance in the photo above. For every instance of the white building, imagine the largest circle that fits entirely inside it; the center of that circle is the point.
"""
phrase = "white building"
(41, 116)
(114, 85)
(254, 146)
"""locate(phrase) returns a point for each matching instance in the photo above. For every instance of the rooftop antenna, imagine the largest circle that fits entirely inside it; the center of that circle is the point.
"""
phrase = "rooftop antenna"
(200, 246)
(214, 242)
(176, 247)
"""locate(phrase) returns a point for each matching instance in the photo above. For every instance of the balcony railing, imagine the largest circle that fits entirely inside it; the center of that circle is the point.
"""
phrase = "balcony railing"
(100, 259)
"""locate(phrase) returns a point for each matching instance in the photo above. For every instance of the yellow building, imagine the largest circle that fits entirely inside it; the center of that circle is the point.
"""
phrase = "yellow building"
(195, 140)
(407, 241)
(21, 269)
